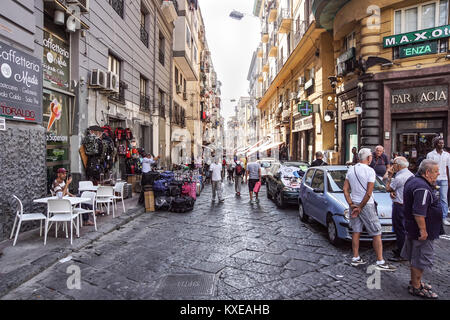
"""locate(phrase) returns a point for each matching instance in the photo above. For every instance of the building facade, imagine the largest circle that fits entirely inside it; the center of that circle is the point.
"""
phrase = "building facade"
(392, 74)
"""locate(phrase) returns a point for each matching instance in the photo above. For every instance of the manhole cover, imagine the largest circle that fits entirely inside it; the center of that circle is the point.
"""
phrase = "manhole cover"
(187, 285)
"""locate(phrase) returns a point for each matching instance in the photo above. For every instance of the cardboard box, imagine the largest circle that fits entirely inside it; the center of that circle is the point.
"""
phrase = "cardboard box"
(149, 201)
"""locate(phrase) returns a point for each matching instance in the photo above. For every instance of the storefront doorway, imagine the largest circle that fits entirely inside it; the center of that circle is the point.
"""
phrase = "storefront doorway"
(413, 138)
(350, 139)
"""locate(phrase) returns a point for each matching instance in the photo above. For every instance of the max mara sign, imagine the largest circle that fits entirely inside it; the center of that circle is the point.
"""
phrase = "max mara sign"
(424, 97)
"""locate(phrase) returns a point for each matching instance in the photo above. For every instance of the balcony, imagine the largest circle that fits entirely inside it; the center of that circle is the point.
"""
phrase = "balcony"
(284, 21)
(144, 36)
(265, 34)
(170, 9)
(273, 45)
(183, 51)
(260, 52)
(265, 64)
(145, 103)
(120, 97)
(272, 11)
(301, 26)
(285, 115)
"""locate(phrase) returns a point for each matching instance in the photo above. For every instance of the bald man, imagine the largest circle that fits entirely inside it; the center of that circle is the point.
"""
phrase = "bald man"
(395, 186)
(380, 162)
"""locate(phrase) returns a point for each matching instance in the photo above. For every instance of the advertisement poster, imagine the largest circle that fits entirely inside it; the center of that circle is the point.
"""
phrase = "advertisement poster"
(20, 85)
(56, 62)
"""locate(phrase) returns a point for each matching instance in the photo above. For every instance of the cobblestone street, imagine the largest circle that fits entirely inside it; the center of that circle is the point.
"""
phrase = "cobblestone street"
(250, 251)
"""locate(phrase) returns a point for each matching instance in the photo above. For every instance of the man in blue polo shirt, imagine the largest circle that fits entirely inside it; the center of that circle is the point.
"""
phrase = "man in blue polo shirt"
(423, 219)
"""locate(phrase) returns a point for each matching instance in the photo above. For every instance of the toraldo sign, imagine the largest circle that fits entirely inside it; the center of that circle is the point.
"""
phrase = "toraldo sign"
(20, 85)
(424, 97)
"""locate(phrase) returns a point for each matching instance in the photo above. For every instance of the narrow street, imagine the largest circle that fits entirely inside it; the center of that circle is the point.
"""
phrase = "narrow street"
(238, 250)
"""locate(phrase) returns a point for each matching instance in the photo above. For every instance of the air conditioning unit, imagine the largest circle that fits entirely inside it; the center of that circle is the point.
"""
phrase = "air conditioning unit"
(178, 88)
(301, 81)
(112, 82)
(83, 4)
(98, 79)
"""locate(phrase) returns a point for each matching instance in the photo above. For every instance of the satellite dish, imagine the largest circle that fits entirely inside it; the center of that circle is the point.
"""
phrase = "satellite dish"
(358, 110)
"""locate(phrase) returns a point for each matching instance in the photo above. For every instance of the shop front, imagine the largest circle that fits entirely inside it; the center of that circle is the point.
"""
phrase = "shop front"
(348, 124)
(303, 139)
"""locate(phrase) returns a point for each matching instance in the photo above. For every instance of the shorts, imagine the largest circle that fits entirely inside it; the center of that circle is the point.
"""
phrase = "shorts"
(251, 184)
(419, 253)
(368, 218)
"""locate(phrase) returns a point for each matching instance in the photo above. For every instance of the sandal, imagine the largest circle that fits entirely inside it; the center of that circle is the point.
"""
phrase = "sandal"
(422, 293)
(425, 285)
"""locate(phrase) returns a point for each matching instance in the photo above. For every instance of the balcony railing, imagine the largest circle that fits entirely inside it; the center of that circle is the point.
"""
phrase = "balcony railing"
(144, 36)
(161, 57)
(120, 97)
(117, 5)
(284, 20)
(145, 103)
(301, 26)
(162, 110)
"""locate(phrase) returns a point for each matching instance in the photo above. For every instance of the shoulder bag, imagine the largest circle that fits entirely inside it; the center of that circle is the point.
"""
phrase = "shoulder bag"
(356, 175)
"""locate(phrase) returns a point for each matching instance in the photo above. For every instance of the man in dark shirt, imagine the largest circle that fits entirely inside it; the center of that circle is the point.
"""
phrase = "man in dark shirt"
(319, 160)
(423, 219)
(380, 162)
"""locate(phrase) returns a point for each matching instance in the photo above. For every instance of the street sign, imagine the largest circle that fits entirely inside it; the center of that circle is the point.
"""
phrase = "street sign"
(419, 49)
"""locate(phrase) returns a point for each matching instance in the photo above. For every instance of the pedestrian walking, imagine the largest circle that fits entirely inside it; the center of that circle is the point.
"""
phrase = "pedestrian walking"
(380, 162)
(216, 180)
(238, 176)
(423, 222)
(396, 186)
(253, 175)
(319, 160)
(442, 157)
(361, 180)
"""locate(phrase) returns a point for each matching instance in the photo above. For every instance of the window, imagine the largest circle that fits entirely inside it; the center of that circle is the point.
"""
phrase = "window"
(195, 54)
(145, 100)
(161, 48)
(114, 65)
(118, 6)
(350, 41)
(317, 182)
(161, 103)
(176, 75)
(144, 32)
(424, 16)
(143, 86)
(184, 86)
(188, 37)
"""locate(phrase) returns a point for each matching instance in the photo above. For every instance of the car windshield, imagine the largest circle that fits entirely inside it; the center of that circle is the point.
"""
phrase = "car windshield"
(265, 164)
(336, 179)
(301, 165)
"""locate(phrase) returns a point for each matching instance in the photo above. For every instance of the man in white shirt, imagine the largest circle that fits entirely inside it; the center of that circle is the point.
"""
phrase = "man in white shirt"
(395, 186)
(361, 180)
(216, 180)
(442, 157)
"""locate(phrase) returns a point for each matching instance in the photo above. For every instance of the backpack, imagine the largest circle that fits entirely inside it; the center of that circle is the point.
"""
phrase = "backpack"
(107, 130)
(91, 145)
(160, 187)
(239, 170)
(149, 178)
(163, 202)
(128, 134)
(122, 149)
(174, 191)
(119, 134)
(186, 189)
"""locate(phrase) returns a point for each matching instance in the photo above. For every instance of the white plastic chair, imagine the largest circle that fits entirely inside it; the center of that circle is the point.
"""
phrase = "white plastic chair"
(91, 195)
(62, 212)
(118, 188)
(85, 184)
(105, 195)
(25, 217)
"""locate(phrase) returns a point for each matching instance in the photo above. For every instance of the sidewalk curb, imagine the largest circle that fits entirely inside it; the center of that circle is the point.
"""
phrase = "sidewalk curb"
(14, 279)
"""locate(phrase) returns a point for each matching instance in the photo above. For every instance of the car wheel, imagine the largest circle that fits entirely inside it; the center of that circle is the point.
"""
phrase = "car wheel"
(301, 212)
(280, 202)
(332, 232)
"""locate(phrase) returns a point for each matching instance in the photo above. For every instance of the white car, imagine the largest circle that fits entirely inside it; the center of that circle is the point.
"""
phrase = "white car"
(266, 164)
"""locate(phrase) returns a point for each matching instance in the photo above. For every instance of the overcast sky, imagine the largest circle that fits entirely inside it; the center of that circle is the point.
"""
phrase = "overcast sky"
(231, 43)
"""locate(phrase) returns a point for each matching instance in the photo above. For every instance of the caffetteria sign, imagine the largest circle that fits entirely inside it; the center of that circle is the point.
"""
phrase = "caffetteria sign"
(416, 37)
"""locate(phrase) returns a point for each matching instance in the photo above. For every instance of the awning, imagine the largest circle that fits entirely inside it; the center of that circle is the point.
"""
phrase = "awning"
(265, 147)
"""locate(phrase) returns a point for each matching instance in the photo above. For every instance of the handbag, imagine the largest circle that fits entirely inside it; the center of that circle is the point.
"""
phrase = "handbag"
(376, 203)
(257, 187)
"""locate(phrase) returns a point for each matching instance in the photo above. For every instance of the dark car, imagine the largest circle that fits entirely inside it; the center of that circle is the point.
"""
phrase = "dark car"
(284, 182)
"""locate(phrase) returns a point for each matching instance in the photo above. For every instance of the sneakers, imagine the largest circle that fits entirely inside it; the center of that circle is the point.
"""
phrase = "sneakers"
(446, 222)
(385, 267)
(221, 200)
(358, 262)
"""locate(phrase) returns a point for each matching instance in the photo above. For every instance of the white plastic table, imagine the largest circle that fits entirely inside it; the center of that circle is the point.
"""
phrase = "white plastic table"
(91, 188)
(73, 200)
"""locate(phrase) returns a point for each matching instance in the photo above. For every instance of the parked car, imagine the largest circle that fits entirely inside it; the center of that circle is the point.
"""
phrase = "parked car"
(321, 198)
(266, 164)
(284, 182)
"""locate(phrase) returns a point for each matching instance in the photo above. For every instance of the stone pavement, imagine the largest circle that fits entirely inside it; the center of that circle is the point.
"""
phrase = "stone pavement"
(249, 251)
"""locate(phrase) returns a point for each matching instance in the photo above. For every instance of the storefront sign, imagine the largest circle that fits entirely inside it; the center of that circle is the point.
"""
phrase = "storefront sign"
(56, 118)
(305, 108)
(418, 49)
(424, 97)
(416, 36)
(56, 62)
(303, 124)
(20, 85)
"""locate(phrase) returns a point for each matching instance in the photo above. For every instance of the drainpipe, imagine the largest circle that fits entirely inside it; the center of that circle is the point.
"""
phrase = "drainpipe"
(171, 99)
(154, 78)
